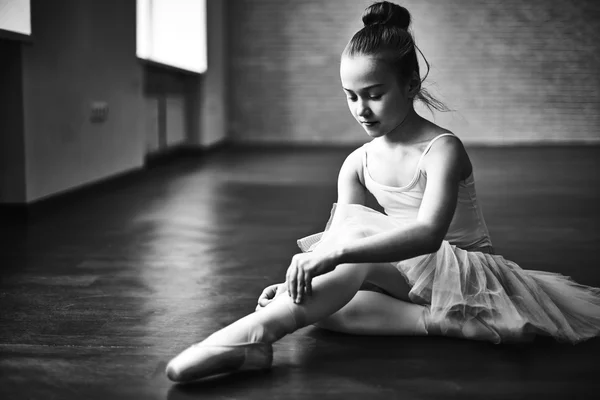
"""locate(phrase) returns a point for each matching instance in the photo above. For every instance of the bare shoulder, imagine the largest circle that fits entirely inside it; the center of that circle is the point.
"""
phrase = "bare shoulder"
(353, 162)
(351, 189)
(447, 143)
(356, 155)
(449, 152)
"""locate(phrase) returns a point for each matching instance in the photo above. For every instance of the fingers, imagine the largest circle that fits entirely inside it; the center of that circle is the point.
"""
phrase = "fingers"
(295, 281)
(299, 280)
(271, 291)
(263, 296)
(267, 295)
(292, 280)
(299, 286)
(308, 283)
(263, 301)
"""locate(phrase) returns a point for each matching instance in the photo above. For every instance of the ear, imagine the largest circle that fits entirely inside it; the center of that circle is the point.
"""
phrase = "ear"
(414, 85)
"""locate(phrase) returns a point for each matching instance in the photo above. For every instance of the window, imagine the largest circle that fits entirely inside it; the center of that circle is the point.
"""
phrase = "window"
(15, 19)
(173, 33)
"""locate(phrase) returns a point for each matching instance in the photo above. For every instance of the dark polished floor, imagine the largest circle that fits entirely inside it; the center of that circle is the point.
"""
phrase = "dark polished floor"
(96, 295)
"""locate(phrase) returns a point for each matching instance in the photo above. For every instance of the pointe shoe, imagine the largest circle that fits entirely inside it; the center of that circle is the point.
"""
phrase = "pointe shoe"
(199, 361)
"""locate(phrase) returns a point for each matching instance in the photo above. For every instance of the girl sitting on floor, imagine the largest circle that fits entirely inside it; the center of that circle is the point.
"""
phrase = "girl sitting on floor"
(429, 255)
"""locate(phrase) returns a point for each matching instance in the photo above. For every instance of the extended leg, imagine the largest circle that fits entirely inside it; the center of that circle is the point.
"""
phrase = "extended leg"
(331, 292)
(373, 313)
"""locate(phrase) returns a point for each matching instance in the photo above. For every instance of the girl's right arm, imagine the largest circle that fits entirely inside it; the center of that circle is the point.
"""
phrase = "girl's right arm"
(350, 188)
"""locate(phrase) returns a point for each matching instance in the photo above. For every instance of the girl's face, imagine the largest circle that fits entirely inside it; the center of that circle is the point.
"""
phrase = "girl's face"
(375, 96)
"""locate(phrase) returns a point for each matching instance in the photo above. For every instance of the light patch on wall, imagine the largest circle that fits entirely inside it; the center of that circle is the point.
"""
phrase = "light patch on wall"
(15, 16)
(173, 33)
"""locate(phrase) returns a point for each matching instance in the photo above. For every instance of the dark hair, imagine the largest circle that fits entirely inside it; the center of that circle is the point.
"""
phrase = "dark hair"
(386, 35)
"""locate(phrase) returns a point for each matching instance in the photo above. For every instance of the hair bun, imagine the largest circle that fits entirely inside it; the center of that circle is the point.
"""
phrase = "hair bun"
(386, 13)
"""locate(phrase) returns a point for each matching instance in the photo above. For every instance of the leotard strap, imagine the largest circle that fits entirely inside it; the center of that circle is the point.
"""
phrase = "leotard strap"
(364, 157)
(431, 144)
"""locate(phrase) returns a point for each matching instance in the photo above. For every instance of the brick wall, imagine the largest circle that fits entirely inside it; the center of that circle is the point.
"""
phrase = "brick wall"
(514, 70)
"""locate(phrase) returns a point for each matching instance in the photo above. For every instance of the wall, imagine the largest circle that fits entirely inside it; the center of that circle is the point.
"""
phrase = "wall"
(12, 146)
(213, 116)
(515, 71)
(84, 51)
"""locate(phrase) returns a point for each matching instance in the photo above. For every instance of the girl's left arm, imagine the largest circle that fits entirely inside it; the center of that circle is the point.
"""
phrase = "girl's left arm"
(444, 166)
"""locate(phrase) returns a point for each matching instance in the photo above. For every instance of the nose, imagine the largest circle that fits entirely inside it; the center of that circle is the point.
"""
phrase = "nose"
(362, 109)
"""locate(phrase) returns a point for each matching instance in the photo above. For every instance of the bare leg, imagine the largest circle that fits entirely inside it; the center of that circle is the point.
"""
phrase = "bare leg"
(331, 291)
(249, 338)
(372, 313)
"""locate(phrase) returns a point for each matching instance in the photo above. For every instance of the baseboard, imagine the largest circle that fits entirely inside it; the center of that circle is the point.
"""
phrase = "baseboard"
(21, 212)
(18, 212)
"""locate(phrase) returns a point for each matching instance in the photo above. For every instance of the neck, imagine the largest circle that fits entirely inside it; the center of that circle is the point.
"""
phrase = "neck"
(406, 130)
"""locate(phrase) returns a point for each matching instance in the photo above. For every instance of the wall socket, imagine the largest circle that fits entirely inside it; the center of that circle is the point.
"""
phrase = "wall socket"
(99, 112)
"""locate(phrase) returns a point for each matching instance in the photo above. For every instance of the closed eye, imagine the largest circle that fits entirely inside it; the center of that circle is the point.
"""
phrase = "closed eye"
(366, 92)
(352, 96)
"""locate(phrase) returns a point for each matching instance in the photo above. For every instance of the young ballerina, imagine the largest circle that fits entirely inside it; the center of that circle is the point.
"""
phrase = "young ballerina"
(429, 256)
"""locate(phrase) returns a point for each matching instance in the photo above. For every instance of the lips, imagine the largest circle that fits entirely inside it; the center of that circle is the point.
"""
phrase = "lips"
(369, 123)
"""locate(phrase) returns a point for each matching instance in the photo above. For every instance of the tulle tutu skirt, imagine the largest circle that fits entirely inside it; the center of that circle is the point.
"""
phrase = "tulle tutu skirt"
(460, 285)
